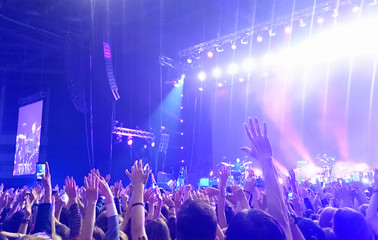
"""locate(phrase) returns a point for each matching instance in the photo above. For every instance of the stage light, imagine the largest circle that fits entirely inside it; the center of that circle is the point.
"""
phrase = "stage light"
(176, 84)
(288, 29)
(302, 23)
(182, 161)
(249, 65)
(217, 72)
(181, 147)
(182, 134)
(145, 146)
(271, 33)
(356, 9)
(153, 144)
(189, 60)
(219, 48)
(202, 76)
(211, 173)
(320, 20)
(244, 40)
(259, 38)
(210, 54)
(365, 180)
(182, 95)
(197, 55)
(373, 3)
(181, 107)
(181, 120)
(233, 46)
(241, 79)
(200, 89)
(220, 84)
(233, 68)
(268, 59)
(129, 141)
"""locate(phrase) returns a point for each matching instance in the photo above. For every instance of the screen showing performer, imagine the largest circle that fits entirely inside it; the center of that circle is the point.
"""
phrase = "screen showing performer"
(28, 139)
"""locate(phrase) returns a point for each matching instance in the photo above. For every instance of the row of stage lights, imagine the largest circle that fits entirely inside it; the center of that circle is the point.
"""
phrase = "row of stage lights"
(287, 29)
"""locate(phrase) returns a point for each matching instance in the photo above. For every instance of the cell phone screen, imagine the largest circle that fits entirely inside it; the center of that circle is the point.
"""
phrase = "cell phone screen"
(40, 170)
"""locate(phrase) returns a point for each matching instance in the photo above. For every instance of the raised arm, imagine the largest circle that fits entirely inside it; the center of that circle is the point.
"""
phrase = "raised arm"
(91, 193)
(371, 213)
(138, 179)
(222, 221)
(262, 151)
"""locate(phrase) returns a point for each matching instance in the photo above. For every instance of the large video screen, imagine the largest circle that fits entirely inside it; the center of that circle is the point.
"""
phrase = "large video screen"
(28, 139)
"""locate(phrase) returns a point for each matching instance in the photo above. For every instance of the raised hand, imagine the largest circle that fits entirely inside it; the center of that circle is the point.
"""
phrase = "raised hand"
(224, 174)
(260, 145)
(375, 183)
(91, 188)
(137, 175)
(46, 181)
(4, 199)
(117, 189)
(28, 207)
(71, 188)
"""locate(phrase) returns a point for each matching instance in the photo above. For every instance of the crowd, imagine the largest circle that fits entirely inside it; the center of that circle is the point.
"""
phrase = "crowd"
(97, 210)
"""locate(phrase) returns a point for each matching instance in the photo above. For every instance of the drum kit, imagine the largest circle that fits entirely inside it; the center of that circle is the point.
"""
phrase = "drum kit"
(238, 170)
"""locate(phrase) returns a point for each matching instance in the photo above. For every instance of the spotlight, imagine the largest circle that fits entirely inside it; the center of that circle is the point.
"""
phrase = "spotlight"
(302, 23)
(200, 89)
(181, 107)
(202, 76)
(217, 72)
(145, 146)
(181, 147)
(182, 95)
(182, 161)
(211, 173)
(219, 48)
(320, 20)
(373, 3)
(233, 46)
(153, 144)
(220, 84)
(176, 84)
(288, 29)
(356, 9)
(130, 141)
(244, 40)
(197, 55)
(241, 79)
(233, 68)
(272, 33)
(181, 120)
(189, 60)
(182, 134)
(259, 38)
(210, 54)
(249, 65)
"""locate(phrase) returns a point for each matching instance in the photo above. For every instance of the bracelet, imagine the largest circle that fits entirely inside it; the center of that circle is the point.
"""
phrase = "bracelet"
(173, 206)
(136, 204)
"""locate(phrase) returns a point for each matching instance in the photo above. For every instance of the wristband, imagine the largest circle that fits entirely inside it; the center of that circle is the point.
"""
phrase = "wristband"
(223, 192)
(111, 210)
(136, 204)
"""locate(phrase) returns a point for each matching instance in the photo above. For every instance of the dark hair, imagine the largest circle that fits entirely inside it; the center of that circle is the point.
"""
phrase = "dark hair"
(12, 223)
(196, 220)
(157, 230)
(309, 229)
(326, 216)
(350, 224)
(63, 231)
(254, 224)
(102, 221)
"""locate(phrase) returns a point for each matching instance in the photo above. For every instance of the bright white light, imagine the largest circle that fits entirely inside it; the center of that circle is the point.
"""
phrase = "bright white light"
(217, 72)
(202, 76)
(220, 84)
(302, 23)
(355, 9)
(259, 38)
(280, 180)
(288, 29)
(189, 60)
(268, 59)
(241, 79)
(320, 20)
(271, 33)
(233, 68)
(233, 46)
(200, 89)
(365, 180)
(249, 65)
(210, 54)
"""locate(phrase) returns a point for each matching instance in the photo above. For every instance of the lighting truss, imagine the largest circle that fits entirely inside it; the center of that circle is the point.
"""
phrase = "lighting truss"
(133, 133)
(259, 28)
